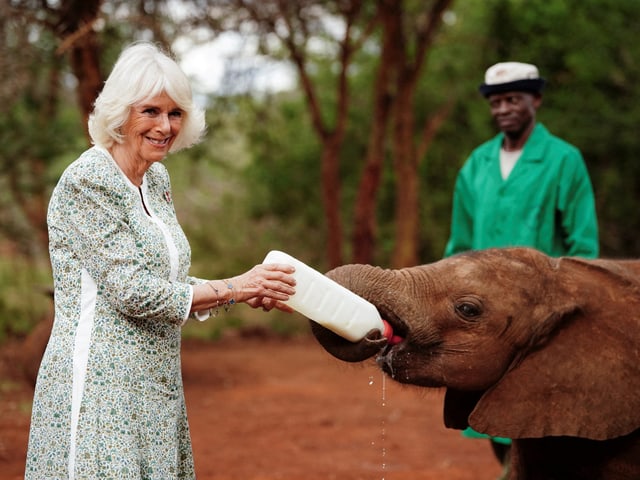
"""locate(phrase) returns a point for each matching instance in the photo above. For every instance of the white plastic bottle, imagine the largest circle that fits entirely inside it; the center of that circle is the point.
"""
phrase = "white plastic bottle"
(327, 302)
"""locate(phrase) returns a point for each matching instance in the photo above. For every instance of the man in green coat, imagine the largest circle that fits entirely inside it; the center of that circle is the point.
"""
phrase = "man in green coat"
(524, 187)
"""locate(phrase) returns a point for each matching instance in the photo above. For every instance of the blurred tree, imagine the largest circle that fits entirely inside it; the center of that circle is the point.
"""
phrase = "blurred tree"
(588, 53)
(297, 24)
(408, 33)
(405, 31)
(32, 128)
(71, 24)
(374, 107)
(53, 49)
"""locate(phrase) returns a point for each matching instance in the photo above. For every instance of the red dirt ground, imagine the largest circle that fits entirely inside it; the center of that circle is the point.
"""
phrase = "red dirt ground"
(263, 408)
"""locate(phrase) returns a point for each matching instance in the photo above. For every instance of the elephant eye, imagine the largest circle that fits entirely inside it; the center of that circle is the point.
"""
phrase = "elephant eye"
(468, 310)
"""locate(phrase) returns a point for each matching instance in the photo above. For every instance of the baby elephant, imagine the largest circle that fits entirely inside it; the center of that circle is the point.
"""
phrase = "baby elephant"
(541, 350)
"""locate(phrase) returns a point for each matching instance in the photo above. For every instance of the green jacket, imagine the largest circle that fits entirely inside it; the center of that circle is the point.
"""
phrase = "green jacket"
(546, 203)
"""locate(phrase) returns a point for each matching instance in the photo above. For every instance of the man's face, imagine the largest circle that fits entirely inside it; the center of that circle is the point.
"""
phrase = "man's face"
(514, 112)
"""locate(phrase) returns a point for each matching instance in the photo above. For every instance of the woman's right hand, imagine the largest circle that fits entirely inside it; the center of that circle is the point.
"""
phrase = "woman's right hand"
(272, 281)
(265, 285)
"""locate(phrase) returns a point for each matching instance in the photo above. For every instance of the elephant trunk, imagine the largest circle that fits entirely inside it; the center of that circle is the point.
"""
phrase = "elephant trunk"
(374, 284)
(371, 283)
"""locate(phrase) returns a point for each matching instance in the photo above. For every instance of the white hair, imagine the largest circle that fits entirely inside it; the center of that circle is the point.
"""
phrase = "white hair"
(142, 72)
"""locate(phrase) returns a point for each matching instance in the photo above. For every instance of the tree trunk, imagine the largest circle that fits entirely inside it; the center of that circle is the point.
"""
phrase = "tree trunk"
(407, 183)
(79, 38)
(406, 159)
(364, 233)
(85, 63)
(331, 199)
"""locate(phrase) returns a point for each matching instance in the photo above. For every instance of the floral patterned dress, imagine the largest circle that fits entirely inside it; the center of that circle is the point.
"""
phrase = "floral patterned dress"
(109, 399)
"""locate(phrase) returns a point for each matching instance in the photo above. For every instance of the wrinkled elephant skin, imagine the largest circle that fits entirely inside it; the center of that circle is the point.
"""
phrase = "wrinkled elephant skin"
(541, 350)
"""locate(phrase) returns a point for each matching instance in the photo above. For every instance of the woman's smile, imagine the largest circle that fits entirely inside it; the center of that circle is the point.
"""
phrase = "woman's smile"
(161, 142)
(149, 132)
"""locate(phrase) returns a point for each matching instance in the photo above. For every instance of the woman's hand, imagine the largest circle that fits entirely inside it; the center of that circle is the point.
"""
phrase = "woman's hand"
(269, 304)
(265, 285)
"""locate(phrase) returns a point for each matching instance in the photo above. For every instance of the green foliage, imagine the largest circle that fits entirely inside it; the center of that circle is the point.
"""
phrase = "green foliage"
(254, 184)
(588, 53)
(284, 176)
(25, 298)
(38, 128)
(222, 192)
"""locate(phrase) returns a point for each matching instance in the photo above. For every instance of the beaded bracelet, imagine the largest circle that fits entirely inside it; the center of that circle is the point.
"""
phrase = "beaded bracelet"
(230, 303)
(217, 309)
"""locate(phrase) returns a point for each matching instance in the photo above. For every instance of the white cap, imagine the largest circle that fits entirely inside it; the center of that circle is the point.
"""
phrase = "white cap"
(511, 76)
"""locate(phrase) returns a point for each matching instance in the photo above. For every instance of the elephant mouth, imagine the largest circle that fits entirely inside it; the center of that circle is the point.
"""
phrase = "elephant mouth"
(399, 329)
(397, 358)
(399, 363)
(391, 335)
(389, 360)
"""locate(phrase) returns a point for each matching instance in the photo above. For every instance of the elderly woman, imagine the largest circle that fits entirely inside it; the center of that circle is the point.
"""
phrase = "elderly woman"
(109, 399)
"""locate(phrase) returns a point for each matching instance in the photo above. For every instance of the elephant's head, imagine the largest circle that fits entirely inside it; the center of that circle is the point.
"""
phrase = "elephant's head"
(557, 340)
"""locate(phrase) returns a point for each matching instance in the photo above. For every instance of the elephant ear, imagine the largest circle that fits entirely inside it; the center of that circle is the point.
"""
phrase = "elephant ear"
(583, 382)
